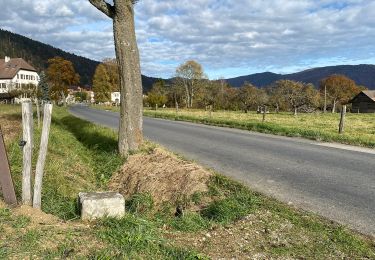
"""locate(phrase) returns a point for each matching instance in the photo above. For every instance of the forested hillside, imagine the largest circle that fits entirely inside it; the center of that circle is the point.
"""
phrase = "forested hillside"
(37, 54)
(363, 75)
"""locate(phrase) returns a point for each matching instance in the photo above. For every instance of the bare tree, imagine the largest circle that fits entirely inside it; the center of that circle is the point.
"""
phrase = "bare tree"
(127, 56)
(191, 72)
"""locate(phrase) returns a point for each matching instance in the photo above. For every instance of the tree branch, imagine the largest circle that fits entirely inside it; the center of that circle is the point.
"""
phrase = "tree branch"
(104, 7)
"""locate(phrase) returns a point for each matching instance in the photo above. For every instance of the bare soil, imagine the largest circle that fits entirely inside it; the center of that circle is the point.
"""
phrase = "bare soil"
(262, 235)
(10, 126)
(161, 174)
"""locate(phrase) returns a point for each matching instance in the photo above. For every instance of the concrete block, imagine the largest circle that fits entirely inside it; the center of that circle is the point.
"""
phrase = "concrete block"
(96, 205)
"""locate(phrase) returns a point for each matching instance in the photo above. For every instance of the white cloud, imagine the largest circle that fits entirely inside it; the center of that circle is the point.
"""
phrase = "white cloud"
(251, 35)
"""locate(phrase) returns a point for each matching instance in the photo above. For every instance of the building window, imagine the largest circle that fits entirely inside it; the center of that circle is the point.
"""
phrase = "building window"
(18, 76)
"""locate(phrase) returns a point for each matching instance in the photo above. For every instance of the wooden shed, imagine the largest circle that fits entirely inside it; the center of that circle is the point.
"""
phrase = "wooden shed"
(364, 102)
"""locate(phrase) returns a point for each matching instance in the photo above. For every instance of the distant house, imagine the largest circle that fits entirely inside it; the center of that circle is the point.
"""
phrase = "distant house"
(115, 97)
(364, 102)
(15, 74)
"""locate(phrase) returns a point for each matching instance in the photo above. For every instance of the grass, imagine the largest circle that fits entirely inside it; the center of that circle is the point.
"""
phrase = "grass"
(82, 157)
(359, 128)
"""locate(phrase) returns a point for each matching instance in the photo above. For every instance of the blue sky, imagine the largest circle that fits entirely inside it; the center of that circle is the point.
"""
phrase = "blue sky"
(229, 38)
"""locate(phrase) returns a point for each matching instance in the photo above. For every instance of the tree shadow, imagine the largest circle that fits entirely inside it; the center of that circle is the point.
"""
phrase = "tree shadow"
(92, 137)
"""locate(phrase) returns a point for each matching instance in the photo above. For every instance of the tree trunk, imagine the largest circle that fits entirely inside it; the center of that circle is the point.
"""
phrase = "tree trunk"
(191, 94)
(334, 107)
(295, 111)
(63, 98)
(127, 55)
(187, 94)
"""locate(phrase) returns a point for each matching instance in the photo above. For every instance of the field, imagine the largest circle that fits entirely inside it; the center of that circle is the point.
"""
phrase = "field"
(228, 220)
(359, 128)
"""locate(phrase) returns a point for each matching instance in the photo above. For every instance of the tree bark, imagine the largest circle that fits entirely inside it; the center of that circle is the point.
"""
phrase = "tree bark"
(27, 123)
(127, 55)
(37, 200)
(334, 107)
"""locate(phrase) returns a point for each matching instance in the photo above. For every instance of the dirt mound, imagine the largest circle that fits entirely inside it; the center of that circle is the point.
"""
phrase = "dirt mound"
(36, 216)
(161, 174)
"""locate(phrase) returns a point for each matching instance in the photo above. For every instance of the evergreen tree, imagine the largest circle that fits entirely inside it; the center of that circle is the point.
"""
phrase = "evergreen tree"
(43, 87)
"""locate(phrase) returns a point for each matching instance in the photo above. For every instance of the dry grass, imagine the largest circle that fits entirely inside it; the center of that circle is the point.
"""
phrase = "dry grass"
(359, 128)
(162, 175)
(10, 123)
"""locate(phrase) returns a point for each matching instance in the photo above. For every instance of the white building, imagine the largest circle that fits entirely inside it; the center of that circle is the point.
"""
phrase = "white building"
(115, 97)
(16, 74)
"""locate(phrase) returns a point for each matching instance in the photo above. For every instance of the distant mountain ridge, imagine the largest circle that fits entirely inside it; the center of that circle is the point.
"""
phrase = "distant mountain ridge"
(363, 75)
(37, 54)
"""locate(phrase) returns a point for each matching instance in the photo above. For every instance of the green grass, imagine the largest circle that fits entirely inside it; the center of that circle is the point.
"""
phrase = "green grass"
(82, 157)
(359, 128)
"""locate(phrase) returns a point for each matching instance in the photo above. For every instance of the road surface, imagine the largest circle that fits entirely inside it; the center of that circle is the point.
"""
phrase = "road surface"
(335, 181)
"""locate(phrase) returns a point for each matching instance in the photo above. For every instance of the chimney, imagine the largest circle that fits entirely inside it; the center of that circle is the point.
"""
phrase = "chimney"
(7, 59)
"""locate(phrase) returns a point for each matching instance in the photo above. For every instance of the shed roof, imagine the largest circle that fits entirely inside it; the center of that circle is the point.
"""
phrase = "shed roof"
(10, 69)
(370, 94)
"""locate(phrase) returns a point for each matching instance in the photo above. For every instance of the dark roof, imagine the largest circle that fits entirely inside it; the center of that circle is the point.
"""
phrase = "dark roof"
(10, 69)
(370, 94)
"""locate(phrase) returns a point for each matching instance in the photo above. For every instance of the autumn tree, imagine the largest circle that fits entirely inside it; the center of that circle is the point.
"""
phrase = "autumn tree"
(339, 88)
(101, 84)
(276, 97)
(127, 55)
(176, 93)
(250, 97)
(105, 80)
(157, 96)
(298, 95)
(113, 74)
(190, 74)
(61, 74)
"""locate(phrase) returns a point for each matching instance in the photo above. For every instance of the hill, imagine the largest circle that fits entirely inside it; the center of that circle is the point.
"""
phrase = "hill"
(363, 75)
(37, 54)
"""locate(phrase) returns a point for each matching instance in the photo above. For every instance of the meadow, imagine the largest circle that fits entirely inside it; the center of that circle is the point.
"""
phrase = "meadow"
(359, 128)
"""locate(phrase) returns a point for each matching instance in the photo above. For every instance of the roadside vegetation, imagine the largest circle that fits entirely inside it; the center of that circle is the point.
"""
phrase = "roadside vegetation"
(226, 220)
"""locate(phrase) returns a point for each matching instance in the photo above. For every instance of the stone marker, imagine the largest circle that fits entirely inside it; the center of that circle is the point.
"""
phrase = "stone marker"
(95, 205)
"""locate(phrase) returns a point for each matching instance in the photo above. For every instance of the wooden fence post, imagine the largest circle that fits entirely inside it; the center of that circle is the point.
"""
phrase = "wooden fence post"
(37, 201)
(27, 124)
(6, 183)
(37, 111)
(264, 113)
(342, 119)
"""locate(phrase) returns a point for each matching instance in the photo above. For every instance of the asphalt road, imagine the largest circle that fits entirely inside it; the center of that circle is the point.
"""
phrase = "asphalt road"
(336, 182)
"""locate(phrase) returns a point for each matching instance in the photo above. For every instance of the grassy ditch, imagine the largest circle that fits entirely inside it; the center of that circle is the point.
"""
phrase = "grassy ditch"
(214, 223)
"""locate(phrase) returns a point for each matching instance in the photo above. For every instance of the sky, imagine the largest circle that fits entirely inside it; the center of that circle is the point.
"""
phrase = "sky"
(229, 38)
